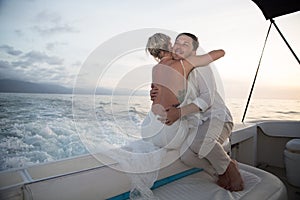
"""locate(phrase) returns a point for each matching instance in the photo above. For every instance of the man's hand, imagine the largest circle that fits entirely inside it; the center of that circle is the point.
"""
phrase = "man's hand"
(153, 93)
(173, 114)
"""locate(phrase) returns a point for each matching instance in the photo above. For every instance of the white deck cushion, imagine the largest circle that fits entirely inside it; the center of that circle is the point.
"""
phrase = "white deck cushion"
(293, 146)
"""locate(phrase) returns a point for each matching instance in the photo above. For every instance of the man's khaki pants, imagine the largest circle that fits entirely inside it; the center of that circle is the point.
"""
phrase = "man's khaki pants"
(205, 150)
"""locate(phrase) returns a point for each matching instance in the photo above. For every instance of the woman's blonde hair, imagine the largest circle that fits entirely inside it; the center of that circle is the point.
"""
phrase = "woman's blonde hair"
(157, 43)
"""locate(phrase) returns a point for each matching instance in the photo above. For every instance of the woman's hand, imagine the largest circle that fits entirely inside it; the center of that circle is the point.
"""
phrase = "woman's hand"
(173, 114)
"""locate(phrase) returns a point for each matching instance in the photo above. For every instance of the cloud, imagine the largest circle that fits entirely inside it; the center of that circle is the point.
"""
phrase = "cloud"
(53, 29)
(19, 32)
(10, 50)
(24, 64)
(40, 57)
(7, 71)
(35, 66)
(46, 16)
(52, 45)
(4, 64)
(50, 23)
(77, 63)
(27, 71)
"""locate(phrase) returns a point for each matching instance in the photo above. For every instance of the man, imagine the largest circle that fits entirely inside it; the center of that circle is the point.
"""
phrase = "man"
(203, 146)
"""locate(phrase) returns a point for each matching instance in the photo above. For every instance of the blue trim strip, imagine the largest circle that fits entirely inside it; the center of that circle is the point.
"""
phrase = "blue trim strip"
(161, 182)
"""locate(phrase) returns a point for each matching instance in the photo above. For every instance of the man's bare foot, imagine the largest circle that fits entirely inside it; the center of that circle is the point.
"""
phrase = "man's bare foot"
(224, 181)
(231, 180)
(236, 181)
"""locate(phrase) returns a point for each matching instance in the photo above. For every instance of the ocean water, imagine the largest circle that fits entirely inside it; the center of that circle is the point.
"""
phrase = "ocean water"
(39, 128)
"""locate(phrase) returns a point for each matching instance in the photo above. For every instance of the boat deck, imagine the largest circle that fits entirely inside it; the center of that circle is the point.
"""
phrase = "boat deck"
(293, 192)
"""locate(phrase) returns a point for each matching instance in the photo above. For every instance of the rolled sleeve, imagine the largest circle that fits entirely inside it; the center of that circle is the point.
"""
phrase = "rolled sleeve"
(200, 103)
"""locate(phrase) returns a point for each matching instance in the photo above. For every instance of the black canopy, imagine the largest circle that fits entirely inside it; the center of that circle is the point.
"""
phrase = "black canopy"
(275, 8)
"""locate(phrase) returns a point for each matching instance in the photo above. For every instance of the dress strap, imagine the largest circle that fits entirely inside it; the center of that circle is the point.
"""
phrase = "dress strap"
(185, 77)
(183, 68)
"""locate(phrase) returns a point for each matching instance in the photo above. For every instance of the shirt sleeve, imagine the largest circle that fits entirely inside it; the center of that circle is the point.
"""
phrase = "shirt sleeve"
(205, 85)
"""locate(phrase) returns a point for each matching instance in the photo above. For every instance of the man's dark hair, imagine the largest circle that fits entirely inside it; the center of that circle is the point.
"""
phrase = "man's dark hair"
(195, 39)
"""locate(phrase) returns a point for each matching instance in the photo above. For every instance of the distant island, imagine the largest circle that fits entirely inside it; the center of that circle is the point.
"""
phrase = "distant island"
(17, 86)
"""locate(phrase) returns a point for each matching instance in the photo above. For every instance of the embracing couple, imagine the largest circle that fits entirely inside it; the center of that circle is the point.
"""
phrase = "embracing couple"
(187, 112)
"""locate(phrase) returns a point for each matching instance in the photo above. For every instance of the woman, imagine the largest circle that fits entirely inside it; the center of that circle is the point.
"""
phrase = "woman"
(169, 77)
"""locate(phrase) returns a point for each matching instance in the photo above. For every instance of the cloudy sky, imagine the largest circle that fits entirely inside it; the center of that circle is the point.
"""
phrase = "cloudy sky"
(51, 41)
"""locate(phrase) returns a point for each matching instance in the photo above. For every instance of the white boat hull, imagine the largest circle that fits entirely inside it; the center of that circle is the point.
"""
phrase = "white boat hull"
(85, 177)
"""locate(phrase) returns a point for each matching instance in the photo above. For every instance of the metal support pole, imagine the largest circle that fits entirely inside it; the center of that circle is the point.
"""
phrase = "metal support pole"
(273, 22)
(245, 111)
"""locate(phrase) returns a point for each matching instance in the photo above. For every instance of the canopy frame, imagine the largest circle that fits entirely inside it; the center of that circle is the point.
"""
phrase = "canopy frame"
(252, 87)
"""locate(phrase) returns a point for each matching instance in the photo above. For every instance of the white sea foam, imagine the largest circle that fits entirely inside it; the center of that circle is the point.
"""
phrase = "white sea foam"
(41, 128)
